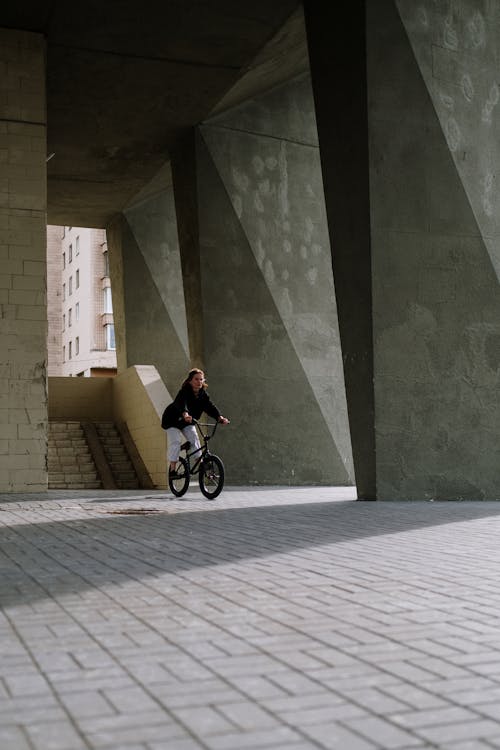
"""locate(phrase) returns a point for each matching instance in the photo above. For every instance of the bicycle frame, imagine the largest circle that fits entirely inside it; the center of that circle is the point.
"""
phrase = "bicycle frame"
(203, 450)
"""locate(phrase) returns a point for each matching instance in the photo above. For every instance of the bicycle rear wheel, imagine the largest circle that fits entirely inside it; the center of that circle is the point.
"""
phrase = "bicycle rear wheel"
(179, 482)
(211, 477)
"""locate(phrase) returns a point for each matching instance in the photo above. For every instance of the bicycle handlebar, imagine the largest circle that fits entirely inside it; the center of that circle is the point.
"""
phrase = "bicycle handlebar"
(206, 424)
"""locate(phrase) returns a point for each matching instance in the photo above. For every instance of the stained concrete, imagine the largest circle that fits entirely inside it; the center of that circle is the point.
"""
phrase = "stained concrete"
(154, 326)
(338, 74)
(436, 301)
(270, 327)
(124, 83)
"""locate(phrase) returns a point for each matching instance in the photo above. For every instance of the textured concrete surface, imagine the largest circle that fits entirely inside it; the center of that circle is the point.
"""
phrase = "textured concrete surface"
(178, 61)
(270, 328)
(341, 116)
(434, 160)
(23, 254)
(277, 618)
(155, 313)
(237, 278)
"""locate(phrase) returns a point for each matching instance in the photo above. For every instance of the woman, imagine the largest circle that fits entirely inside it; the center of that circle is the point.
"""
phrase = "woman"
(191, 401)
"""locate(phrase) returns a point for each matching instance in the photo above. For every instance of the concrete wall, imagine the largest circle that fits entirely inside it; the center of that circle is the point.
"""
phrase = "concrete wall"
(246, 292)
(271, 341)
(338, 74)
(136, 396)
(435, 202)
(23, 264)
(84, 399)
(139, 398)
(148, 299)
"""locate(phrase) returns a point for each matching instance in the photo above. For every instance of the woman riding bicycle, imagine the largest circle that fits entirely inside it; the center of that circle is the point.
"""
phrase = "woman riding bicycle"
(191, 401)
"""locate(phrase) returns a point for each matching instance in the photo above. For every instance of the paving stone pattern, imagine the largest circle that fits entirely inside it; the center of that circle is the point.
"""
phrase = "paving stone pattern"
(271, 618)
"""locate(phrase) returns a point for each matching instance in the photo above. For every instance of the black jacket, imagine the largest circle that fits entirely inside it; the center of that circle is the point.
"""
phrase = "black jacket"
(195, 405)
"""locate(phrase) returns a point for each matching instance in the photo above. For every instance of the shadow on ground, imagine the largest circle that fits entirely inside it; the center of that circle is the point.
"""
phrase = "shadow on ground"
(52, 558)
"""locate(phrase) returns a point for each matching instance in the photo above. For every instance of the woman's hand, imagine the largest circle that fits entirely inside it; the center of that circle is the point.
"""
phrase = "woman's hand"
(223, 420)
(187, 417)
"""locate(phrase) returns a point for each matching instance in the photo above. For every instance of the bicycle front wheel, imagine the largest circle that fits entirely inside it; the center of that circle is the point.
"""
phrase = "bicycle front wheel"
(179, 481)
(211, 477)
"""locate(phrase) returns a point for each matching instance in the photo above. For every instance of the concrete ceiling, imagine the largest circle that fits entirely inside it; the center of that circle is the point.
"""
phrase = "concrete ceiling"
(125, 79)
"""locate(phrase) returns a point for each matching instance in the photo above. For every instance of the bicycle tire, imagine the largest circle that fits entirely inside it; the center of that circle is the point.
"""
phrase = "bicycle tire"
(180, 483)
(211, 477)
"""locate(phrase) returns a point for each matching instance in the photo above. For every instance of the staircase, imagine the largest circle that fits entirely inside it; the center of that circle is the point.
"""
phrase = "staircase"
(92, 456)
(117, 457)
(70, 463)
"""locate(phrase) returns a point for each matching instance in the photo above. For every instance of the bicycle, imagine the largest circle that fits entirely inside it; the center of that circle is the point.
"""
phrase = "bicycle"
(208, 466)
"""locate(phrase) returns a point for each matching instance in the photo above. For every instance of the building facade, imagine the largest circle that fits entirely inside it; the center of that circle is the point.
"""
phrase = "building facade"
(80, 311)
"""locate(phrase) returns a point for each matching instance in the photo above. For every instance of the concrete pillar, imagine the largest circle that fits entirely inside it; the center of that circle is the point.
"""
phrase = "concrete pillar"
(338, 72)
(23, 314)
(428, 112)
(146, 281)
(434, 141)
(184, 174)
(266, 300)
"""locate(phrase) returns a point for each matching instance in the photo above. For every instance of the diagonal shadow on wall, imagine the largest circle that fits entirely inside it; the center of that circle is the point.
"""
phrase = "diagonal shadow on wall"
(151, 336)
(251, 358)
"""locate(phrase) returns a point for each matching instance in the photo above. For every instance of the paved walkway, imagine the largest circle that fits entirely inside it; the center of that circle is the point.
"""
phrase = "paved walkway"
(286, 619)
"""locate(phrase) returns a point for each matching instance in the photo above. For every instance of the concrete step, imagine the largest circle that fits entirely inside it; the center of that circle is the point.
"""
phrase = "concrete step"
(70, 463)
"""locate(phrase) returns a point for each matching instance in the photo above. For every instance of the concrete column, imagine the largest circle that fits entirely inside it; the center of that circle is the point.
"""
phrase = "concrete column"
(434, 153)
(338, 72)
(184, 174)
(23, 312)
(146, 279)
(428, 111)
(266, 300)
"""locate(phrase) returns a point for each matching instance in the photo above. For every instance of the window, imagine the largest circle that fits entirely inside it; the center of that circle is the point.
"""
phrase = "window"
(64, 322)
(70, 286)
(77, 345)
(77, 246)
(77, 311)
(64, 260)
(108, 303)
(110, 337)
(69, 350)
(77, 278)
(69, 318)
(64, 292)
(105, 258)
(70, 253)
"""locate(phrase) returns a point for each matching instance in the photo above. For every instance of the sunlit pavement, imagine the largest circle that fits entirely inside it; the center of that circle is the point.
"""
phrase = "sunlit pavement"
(276, 618)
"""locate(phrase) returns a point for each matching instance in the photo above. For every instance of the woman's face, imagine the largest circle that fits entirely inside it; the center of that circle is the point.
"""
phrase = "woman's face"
(197, 381)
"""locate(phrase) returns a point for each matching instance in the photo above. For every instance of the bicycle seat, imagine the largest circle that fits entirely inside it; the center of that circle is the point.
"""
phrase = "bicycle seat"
(185, 446)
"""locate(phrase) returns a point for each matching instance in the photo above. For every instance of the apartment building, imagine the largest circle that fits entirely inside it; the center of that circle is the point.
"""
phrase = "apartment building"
(81, 334)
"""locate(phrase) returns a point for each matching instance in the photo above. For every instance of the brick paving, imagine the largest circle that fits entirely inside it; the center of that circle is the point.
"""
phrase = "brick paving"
(270, 618)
